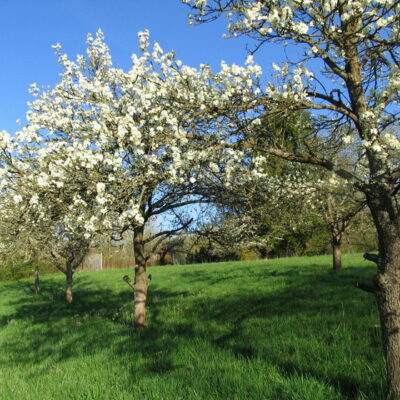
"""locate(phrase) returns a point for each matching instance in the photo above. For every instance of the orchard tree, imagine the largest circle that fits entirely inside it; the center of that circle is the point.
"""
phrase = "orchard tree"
(261, 209)
(112, 150)
(345, 68)
(67, 250)
(339, 204)
(33, 218)
(17, 244)
(329, 197)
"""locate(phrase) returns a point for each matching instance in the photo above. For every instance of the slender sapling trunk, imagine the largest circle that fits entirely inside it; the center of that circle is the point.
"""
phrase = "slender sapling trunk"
(69, 282)
(37, 280)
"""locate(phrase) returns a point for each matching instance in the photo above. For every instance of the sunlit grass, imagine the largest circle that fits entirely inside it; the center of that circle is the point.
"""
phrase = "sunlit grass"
(278, 329)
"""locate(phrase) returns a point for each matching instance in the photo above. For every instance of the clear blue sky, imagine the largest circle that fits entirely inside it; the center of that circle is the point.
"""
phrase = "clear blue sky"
(28, 28)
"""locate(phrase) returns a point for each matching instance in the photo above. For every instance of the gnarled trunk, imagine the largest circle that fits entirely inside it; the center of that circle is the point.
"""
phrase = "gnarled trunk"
(69, 281)
(388, 300)
(386, 283)
(141, 282)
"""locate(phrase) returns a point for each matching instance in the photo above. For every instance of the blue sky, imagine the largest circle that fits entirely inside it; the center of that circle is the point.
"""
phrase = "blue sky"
(28, 28)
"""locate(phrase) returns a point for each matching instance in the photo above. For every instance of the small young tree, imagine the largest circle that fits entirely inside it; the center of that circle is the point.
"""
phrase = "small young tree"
(339, 204)
(33, 217)
(67, 250)
(16, 243)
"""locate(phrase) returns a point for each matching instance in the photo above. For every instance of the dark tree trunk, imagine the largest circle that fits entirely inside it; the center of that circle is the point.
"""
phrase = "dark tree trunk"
(388, 300)
(37, 280)
(386, 283)
(263, 253)
(336, 252)
(69, 281)
(141, 282)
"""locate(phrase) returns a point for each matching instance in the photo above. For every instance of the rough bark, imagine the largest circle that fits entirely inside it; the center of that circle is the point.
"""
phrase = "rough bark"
(337, 253)
(388, 300)
(69, 281)
(387, 283)
(385, 215)
(141, 282)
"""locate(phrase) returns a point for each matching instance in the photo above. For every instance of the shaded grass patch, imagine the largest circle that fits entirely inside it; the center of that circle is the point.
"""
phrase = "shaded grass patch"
(276, 329)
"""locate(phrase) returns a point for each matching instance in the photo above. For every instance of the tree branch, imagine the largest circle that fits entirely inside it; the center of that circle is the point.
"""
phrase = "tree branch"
(167, 233)
(55, 256)
(338, 105)
(177, 205)
(329, 165)
(79, 261)
(372, 257)
(128, 281)
(365, 287)
(321, 53)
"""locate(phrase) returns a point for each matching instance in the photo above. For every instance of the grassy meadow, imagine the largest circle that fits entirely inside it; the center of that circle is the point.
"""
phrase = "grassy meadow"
(278, 329)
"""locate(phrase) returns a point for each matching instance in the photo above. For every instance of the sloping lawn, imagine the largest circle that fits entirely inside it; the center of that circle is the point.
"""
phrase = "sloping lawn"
(278, 329)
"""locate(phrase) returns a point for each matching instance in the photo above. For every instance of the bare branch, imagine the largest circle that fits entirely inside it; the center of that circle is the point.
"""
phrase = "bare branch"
(337, 105)
(182, 204)
(167, 233)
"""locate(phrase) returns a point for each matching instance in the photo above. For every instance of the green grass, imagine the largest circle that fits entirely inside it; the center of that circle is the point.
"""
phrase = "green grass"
(278, 329)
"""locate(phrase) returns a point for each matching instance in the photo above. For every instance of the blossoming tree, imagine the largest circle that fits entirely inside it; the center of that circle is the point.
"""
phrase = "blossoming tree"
(345, 68)
(33, 215)
(114, 150)
(257, 212)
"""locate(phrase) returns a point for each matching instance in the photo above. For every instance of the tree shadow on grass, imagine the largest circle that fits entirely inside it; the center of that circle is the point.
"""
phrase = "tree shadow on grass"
(101, 317)
(308, 295)
(50, 305)
(301, 296)
(55, 331)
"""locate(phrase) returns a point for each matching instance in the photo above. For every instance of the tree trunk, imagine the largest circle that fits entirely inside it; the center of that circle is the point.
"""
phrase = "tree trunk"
(337, 253)
(141, 282)
(387, 283)
(37, 280)
(263, 253)
(388, 300)
(69, 281)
